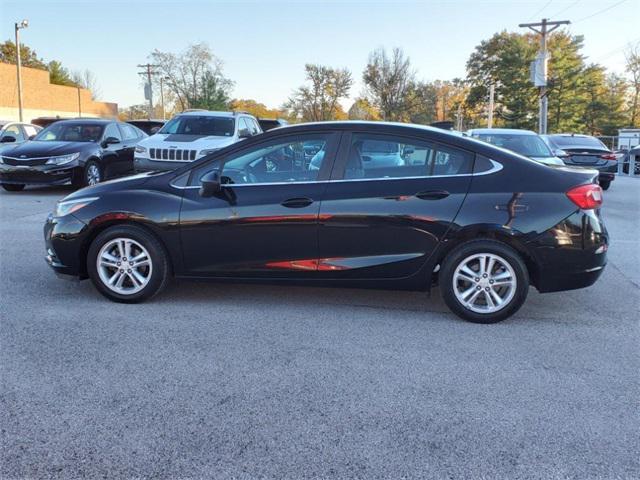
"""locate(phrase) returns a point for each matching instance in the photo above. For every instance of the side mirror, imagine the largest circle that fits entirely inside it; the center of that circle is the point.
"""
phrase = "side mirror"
(110, 141)
(244, 133)
(210, 184)
(31, 137)
(408, 150)
(8, 139)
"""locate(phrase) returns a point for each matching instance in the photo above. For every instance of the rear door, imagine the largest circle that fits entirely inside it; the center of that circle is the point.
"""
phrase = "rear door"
(130, 138)
(264, 223)
(390, 201)
(114, 156)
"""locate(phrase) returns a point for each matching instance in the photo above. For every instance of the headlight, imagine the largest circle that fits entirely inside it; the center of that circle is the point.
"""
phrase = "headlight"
(65, 207)
(140, 149)
(62, 159)
(209, 152)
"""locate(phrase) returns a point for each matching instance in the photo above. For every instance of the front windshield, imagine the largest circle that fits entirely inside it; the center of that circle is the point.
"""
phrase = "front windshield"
(71, 132)
(527, 145)
(205, 126)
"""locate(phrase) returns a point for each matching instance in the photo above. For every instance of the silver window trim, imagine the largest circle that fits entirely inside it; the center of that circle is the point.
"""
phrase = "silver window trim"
(496, 167)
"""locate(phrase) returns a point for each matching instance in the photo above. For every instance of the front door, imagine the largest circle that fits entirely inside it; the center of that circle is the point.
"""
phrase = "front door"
(264, 222)
(390, 201)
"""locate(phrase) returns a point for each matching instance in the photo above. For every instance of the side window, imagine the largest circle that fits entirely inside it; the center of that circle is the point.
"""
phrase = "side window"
(386, 156)
(255, 128)
(296, 159)
(484, 164)
(112, 131)
(242, 125)
(128, 132)
(14, 131)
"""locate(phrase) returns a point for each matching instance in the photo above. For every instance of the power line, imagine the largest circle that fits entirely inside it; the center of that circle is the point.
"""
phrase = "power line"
(571, 5)
(600, 11)
(621, 47)
(540, 11)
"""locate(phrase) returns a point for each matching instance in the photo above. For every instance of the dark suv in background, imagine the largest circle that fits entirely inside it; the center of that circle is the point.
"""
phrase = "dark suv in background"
(585, 151)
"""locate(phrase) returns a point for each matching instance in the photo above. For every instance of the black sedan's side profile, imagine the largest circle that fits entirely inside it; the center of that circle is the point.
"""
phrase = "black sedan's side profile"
(82, 151)
(378, 205)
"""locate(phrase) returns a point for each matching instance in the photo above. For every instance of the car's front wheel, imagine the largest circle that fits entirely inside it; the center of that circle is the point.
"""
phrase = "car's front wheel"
(13, 187)
(93, 174)
(484, 281)
(127, 264)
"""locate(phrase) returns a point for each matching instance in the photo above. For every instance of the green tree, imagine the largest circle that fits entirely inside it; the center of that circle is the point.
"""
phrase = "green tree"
(213, 93)
(319, 99)
(363, 110)
(59, 75)
(28, 57)
(632, 57)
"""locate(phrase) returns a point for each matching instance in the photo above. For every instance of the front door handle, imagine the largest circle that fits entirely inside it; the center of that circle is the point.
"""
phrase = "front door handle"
(297, 202)
(432, 195)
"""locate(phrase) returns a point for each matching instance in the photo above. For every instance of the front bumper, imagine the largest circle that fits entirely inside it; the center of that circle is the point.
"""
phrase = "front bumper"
(147, 165)
(572, 254)
(63, 237)
(37, 175)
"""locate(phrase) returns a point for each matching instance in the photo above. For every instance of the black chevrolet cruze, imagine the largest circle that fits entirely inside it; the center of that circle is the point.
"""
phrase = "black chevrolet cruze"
(82, 151)
(378, 205)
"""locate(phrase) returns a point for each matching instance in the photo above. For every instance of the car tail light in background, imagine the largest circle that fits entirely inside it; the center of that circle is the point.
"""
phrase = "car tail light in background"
(609, 156)
(586, 197)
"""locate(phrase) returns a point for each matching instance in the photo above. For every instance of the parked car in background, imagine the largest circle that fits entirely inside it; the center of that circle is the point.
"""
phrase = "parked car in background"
(12, 133)
(189, 136)
(586, 151)
(84, 152)
(482, 221)
(524, 142)
(44, 122)
(271, 123)
(150, 127)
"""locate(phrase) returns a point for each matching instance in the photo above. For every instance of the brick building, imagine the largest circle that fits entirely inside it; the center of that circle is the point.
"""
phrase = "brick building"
(40, 98)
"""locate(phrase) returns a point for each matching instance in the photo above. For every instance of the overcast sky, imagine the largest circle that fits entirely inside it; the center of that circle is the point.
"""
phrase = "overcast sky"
(265, 44)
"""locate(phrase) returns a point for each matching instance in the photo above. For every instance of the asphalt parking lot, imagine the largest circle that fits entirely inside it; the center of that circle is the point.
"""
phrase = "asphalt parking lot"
(237, 381)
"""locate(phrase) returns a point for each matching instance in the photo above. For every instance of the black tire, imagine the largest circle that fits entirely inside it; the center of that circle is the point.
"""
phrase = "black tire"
(13, 187)
(159, 268)
(475, 247)
(605, 184)
(91, 169)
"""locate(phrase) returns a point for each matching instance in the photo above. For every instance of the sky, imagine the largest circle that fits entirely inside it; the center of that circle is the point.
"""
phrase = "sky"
(264, 45)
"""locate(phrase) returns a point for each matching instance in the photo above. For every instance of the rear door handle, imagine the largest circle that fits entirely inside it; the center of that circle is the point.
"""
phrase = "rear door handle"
(297, 202)
(432, 195)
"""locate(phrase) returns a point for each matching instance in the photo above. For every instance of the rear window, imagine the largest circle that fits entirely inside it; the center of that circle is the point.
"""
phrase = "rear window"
(204, 126)
(577, 142)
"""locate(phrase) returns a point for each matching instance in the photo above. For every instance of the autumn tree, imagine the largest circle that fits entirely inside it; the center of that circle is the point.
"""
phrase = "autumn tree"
(28, 57)
(363, 110)
(195, 77)
(388, 80)
(318, 99)
(632, 57)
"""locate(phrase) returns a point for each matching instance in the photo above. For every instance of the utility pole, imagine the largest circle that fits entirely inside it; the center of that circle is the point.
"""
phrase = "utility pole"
(162, 97)
(492, 93)
(18, 27)
(539, 71)
(148, 90)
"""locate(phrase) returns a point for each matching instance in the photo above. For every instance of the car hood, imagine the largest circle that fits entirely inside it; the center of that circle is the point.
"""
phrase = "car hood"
(186, 142)
(35, 149)
(118, 184)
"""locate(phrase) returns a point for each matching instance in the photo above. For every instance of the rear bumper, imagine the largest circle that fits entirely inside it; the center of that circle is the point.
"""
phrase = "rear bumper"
(148, 165)
(40, 175)
(572, 254)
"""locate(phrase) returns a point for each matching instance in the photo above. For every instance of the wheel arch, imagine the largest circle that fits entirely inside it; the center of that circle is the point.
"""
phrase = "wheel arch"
(116, 222)
(487, 232)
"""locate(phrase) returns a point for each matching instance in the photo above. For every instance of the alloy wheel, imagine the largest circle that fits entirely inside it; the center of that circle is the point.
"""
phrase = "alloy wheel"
(93, 174)
(124, 266)
(484, 283)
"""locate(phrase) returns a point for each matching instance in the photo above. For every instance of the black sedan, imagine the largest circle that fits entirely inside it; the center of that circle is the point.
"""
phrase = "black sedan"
(380, 205)
(84, 152)
(585, 151)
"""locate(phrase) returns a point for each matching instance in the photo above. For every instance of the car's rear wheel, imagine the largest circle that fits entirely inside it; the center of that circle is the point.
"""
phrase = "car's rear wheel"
(127, 264)
(13, 187)
(484, 281)
(605, 184)
(93, 173)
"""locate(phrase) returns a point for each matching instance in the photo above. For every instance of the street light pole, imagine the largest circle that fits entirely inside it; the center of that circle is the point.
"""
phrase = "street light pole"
(162, 97)
(18, 26)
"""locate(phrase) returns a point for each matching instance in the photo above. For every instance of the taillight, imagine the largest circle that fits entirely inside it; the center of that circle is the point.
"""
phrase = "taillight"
(609, 156)
(586, 197)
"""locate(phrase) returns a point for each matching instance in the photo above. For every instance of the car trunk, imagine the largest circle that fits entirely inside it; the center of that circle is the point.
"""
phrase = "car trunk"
(586, 156)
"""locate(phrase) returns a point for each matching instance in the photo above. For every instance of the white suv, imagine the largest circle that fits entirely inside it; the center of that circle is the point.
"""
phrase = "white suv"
(191, 135)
